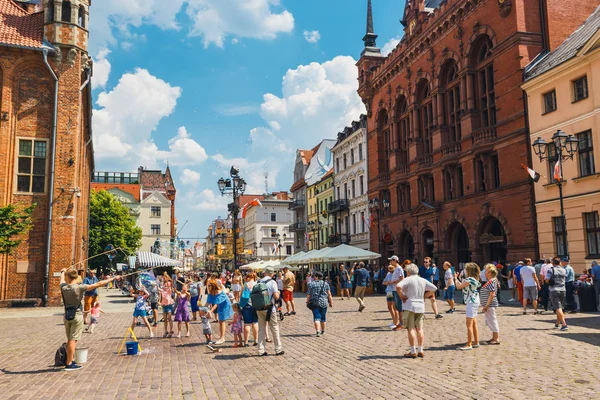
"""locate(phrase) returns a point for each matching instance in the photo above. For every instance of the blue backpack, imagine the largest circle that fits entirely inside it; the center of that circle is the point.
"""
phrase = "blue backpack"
(245, 297)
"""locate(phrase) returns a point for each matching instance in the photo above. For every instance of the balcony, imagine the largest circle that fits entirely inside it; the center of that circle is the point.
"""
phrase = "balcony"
(425, 161)
(298, 203)
(450, 149)
(402, 169)
(481, 136)
(338, 205)
(297, 227)
(335, 240)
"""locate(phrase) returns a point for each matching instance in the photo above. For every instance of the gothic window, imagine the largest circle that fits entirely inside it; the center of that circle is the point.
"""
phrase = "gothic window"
(484, 82)
(426, 189)
(384, 130)
(81, 17)
(403, 130)
(66, 11)
(425, 103)
(403, 197)
(51, 11)
(451, 109)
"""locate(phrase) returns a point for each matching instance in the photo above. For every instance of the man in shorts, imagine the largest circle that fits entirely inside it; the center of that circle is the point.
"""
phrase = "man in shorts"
(72, 294)
(555, 277)
(397, 277)
(345, 283)
(289, 282)
(531, 286)
(449, 282)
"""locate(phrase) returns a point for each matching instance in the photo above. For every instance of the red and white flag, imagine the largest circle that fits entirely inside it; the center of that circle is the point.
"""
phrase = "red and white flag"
(274, 249)
(558, 171)
(534, 175)
(368, 222)
(306, 238)
(247, 206)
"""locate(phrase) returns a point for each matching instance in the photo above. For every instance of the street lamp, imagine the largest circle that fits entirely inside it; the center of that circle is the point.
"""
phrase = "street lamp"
(279, 245)
(235, 186)
(376, 207)
(566, 146)
(316, 227)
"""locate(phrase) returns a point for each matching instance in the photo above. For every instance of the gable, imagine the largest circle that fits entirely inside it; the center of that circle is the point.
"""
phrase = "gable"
(123, 196)
(156, 198)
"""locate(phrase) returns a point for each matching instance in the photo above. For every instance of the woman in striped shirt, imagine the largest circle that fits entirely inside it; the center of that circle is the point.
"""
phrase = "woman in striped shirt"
(489, 301)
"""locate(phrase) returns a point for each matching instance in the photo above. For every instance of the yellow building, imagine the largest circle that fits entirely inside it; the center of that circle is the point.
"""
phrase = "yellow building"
(563, 94)
(312, 220)
(324, 196)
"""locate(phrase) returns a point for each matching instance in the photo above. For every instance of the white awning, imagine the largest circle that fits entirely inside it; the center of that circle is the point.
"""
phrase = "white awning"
(147, 259)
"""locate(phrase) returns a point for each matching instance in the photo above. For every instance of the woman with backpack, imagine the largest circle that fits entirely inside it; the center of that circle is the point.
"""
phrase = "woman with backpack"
(248, 313)
(319, 296)
(220, 302)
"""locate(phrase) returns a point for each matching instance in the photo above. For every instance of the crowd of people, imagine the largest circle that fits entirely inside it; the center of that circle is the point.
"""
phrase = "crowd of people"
(253, 307)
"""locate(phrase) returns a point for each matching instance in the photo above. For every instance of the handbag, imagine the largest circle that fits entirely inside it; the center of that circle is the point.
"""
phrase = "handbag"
(245, 297)
(313, 302)
(70, 311)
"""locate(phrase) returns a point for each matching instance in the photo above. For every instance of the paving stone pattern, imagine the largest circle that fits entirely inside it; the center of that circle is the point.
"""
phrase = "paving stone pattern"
(357, 358)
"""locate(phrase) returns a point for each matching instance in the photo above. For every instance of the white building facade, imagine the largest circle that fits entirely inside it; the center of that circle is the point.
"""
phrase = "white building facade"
(266, 230)
(351, 200)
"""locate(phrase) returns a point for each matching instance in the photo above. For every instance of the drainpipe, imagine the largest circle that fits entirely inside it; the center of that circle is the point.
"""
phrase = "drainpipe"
(52, 172)
(545, 44)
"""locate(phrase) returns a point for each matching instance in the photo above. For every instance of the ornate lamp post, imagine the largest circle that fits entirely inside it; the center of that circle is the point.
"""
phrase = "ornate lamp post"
(235, 186)
(376, 208)
(566, 146)
(279, 245)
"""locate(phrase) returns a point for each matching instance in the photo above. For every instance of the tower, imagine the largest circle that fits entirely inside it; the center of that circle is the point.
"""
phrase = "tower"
(370, 37)
(370, 58)
(66, 23)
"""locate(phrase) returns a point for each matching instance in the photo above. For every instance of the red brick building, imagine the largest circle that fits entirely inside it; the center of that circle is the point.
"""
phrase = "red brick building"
(447, 125)
(46, 154)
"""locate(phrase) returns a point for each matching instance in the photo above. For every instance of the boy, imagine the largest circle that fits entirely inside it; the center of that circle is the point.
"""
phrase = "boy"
(205, 322)
(449, 280)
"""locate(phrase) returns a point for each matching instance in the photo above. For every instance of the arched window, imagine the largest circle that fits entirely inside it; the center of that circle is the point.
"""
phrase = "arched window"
(484, 81)
(384, 131)
(425, 103)
(81, 17)
(51, 11)
(66, 11)
(402, 130)
(451, 109)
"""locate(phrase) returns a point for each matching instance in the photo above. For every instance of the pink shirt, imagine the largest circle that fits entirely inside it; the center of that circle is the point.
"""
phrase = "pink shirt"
(544, 269)
(95, 312)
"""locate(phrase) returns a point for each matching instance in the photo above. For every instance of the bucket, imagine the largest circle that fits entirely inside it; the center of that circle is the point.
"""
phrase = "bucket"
(81, 355)
(132, 348)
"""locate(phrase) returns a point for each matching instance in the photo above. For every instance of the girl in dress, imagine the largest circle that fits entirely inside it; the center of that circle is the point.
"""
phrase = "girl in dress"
(236, 325)
(219, 301)
(182, 314)
(166, 301)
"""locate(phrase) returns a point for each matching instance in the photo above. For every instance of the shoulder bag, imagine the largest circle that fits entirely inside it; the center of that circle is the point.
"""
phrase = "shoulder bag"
(313, 302)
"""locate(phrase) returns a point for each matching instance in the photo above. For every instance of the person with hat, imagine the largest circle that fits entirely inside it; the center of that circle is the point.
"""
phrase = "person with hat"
(269, 316)
(569, 285)
(555, 277)
(397, 277)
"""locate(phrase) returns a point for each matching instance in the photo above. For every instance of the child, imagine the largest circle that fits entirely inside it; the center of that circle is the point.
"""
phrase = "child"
(182, 314)
(471, 297)
(449, 293)
(94, 316)
(140, 309)
(166, 301)
(236, 325)
(204, 313)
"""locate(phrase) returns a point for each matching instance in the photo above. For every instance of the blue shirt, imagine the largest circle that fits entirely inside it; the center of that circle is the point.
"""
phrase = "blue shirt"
(436, 273)
(425, 273)
(361, 276)
(596, 272)
(91, 281)
(517, 273)
(570, 277)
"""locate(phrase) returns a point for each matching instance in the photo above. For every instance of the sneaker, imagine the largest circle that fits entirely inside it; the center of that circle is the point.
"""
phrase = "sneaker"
(280, 353)
(398, 327)
(322, 333)
(220, 341)
(391, 326)
(476, 346)
(73, 367)
(511, 300)
(439, 316)
(318, 334)
(466, 348)
(524, 312)
(361, 308)
(263, 354)
(287, 314)
(450, 311)
(421, 355)
(341, 298)
(573, 312)
(556, 326)
(564, 328)
(293, 313)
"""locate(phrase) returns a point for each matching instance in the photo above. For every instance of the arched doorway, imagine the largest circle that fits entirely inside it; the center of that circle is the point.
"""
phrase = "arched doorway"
(427, 241)
(406, 246)
(492, 240)
(457, 242)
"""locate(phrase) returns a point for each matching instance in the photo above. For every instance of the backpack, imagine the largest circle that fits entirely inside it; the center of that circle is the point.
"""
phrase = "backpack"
(60, 358)
(260, 297)
(551, 281)
(244, 297)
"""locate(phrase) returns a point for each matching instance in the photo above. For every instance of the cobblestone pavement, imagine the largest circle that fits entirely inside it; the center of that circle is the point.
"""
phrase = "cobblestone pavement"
(358, 358)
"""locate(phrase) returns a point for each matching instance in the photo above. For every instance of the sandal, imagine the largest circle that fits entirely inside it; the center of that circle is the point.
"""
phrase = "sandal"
(269, 340)
(493, 342)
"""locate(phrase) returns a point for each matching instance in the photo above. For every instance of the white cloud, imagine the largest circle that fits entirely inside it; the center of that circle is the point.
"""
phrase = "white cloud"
(214, 20)
(312, 36)
(189, 177)
(101, 69)
(234, 110)
(207, 200)
(229, 162)
(390, 45)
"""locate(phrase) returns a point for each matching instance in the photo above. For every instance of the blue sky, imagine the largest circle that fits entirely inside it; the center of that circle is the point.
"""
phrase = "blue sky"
(205, 84)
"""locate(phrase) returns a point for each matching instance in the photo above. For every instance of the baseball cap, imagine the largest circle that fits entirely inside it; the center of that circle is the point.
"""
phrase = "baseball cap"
(269, 270)
(395, 258)
(565, 259)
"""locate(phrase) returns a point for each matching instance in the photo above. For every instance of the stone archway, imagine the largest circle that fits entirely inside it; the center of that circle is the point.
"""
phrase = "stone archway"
(406, 246)
(457, 242)
(491, 238)
(428, 246)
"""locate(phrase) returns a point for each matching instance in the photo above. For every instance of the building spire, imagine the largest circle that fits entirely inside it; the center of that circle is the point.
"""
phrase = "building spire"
(370, 38)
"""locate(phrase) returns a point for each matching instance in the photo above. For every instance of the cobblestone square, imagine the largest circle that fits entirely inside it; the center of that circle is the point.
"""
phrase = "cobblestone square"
(357, 358)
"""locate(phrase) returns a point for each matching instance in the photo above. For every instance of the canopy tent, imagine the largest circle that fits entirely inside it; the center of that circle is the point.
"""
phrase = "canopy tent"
(295, 256)
(344, 253)
(147, 259)
(261, 265)
(302, 259)
(255, 266)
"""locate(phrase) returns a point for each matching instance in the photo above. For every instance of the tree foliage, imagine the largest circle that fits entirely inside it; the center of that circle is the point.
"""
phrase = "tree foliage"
(111, 224)
(14, 222)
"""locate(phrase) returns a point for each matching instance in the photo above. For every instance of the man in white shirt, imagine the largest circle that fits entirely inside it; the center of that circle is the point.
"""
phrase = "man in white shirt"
(413, 290)
(531, 285)
(269, 315)
(397, 277)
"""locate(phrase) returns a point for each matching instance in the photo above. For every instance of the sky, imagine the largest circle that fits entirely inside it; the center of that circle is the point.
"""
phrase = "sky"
(202, 85)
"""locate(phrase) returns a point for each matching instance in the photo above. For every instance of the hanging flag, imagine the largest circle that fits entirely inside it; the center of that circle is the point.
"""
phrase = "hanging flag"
(306, 238)
(274, 249)
(247, 206)
(534, 175)
(367, 221)
(558, 171)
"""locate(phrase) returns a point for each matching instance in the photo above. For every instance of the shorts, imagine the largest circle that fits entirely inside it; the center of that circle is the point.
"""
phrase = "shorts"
(288, 295)
(93, 320)
(154, 306)
(397, 301)
(194, 303)
(511, 284)
(557, 299)
(139, 313)
(236, 287)
(320, 314)
(472, 309)
(88, 301)
(74, 328)
(347, 285)
(389, 296)
(207, 331)
(412, 320)
(449, 293)
(249, 315)
(530, 293)
(168, 309)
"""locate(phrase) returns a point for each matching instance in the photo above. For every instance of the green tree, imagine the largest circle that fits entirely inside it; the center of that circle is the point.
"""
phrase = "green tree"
(13, 223)
(111, 224)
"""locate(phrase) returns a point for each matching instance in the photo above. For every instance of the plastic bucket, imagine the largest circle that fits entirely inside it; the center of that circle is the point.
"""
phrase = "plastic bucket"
(81, 355)
(132, 348)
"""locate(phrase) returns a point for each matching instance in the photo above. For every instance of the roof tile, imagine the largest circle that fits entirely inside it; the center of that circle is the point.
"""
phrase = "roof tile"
(19, 28)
